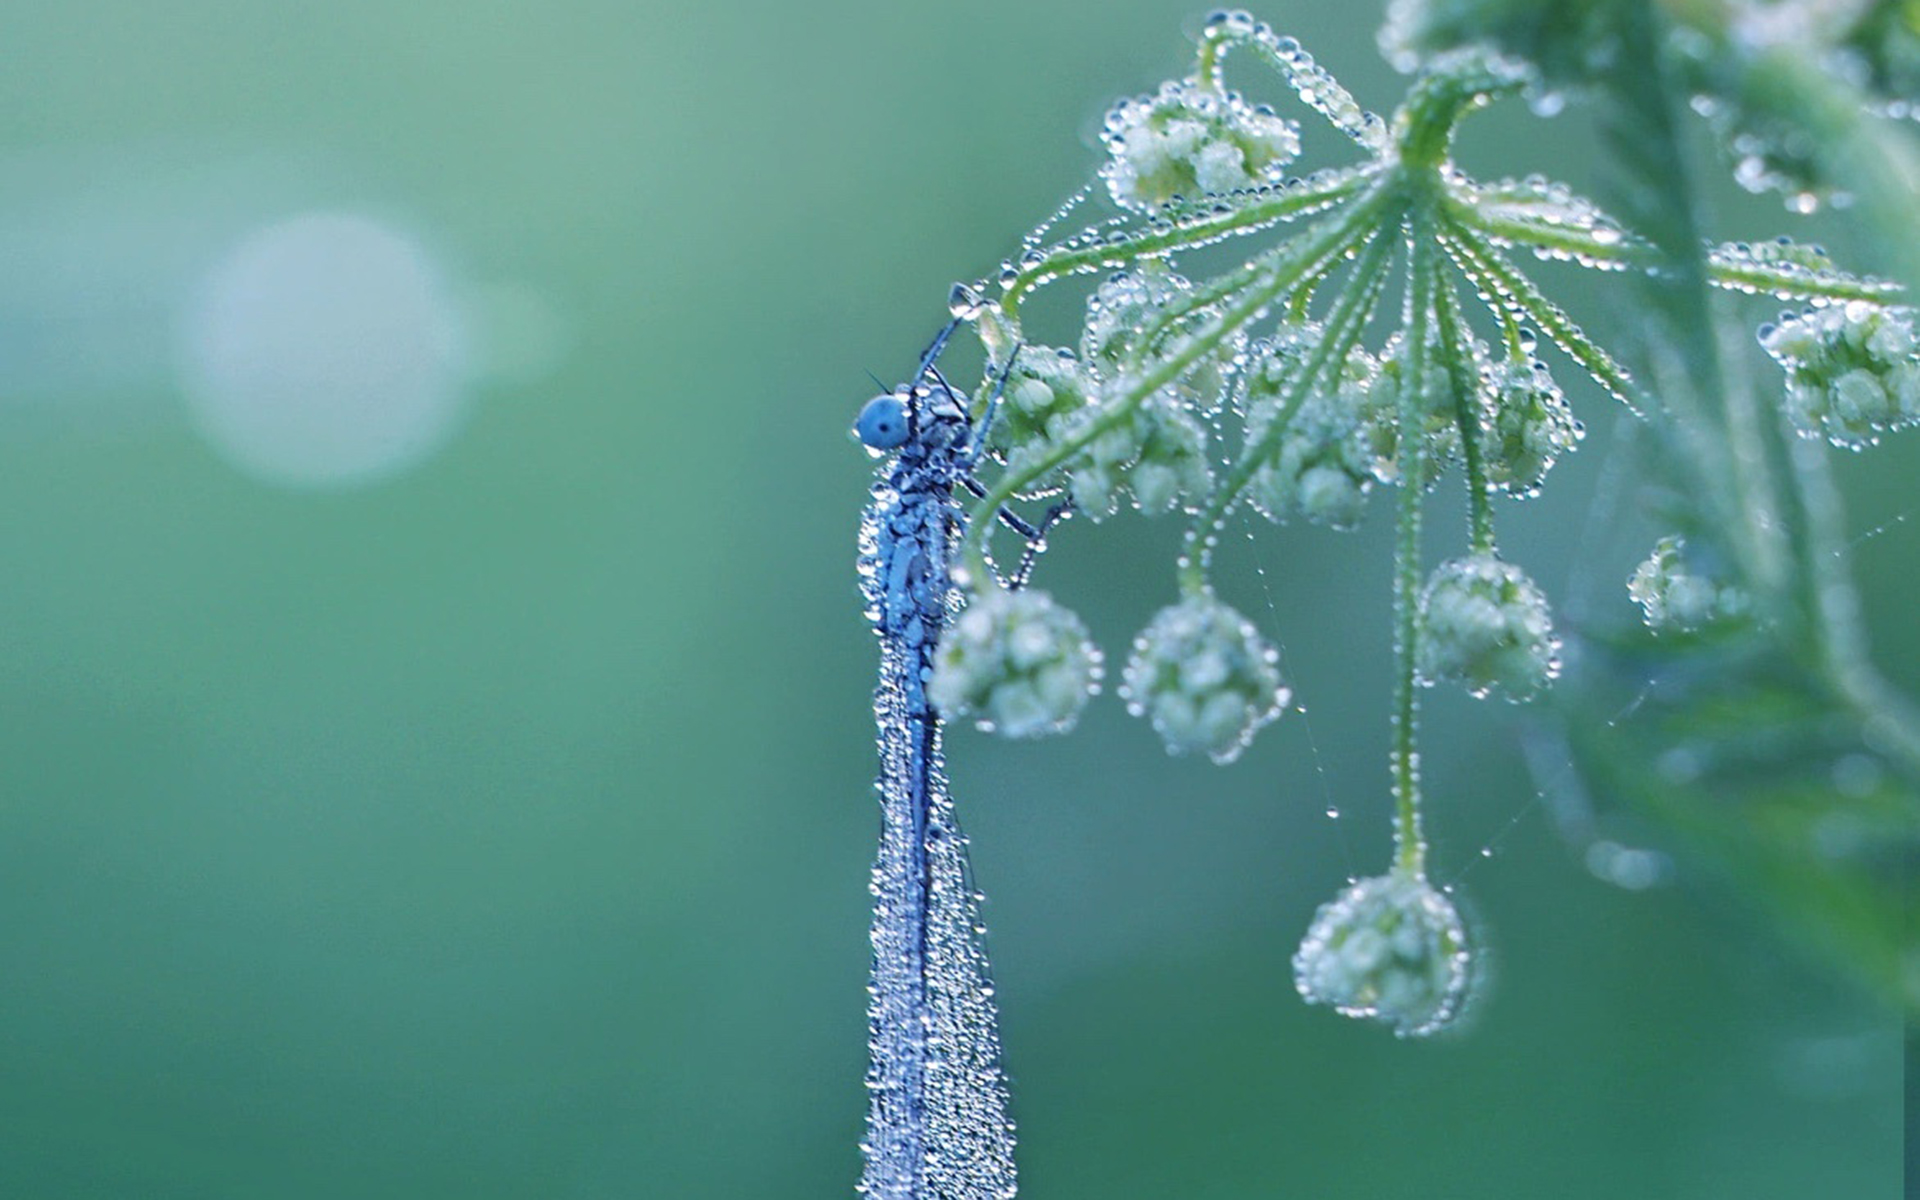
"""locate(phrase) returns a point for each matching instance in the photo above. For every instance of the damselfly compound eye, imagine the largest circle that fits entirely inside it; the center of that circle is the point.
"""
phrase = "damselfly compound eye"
(882, 423)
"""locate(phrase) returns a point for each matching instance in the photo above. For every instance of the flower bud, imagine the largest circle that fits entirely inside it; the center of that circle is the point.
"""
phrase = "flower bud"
(1391, 949)
(1527, 425)
(1853, 370)
(1205, 678)
(1674, 597)
(1188, 141)
(1323, 465)
(1485, 625)
(1158, 449)
(1017, 663)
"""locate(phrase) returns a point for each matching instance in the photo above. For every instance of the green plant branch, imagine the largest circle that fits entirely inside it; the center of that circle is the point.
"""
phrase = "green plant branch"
(1457, 349)
(1410, 847)
(1306, 198)
(1344, 327)
(1498, 280)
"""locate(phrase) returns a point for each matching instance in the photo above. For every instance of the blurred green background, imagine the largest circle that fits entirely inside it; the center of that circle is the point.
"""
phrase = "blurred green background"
(477, 805)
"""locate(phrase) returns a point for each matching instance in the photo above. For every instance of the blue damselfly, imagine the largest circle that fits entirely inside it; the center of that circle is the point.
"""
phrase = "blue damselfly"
(937, 1123)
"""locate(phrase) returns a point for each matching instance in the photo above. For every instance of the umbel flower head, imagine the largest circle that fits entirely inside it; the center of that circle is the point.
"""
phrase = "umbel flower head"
(1129, 303)
(1391, 949)
(1324, 463)
(1017, 663)
(1674, 596)
(1187, 141)
(1047, 389)
(1205, 678)
(1485, 626)
(1158, 450)
(1853, 370)
(1528, 425)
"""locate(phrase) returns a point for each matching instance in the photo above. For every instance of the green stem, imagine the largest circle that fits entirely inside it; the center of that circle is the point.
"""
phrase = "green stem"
(1234, 283)
(1429, 116)
(1456, 342)
(1344, 327)
(1510, 289)
(1789, 283)
(1316, 194)
(1316, 88)
(1567, 241)
(1410, 847)
(1510, 333)
(1300, 303)
(1208, 66)
(1613, 250)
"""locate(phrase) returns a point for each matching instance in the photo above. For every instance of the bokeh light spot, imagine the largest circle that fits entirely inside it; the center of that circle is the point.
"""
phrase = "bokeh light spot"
(324, 350)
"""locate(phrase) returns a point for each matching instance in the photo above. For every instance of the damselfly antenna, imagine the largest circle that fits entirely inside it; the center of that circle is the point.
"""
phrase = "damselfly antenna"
(889, 419)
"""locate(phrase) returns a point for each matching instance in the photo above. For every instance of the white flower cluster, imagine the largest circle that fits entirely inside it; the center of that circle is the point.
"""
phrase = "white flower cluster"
(1485, 625)
(1390, 948)
(1158, 451)
(1126, 306)
(1016, 662)
(1674, 597)
(1205, 678)
(1527, 425)
(1046, 391)
(1188, 140)
(1327, 460)
(1853, 370)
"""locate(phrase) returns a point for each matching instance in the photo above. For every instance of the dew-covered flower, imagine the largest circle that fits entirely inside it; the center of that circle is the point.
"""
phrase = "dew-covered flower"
(1324, 463)
(1127, 306)
(1485, 625)
(1392, 949)
(1017, 663)
(1047, 390)
(1205, 678)
(1674, 596)
(1157, 449)
(1187, 140)
(1526, 427)
(1853, 370)
(1157, 452)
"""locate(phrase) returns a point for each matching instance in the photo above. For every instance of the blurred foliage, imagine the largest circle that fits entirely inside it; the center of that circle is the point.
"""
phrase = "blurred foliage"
(1760, 735)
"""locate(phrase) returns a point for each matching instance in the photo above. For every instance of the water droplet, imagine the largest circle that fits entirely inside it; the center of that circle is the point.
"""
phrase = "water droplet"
(963, 302)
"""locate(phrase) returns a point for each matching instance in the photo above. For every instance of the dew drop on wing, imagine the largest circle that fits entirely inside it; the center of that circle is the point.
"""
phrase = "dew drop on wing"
(963, 302)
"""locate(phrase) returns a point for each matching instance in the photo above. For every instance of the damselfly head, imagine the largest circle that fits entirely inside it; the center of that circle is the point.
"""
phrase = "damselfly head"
(882, 423)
